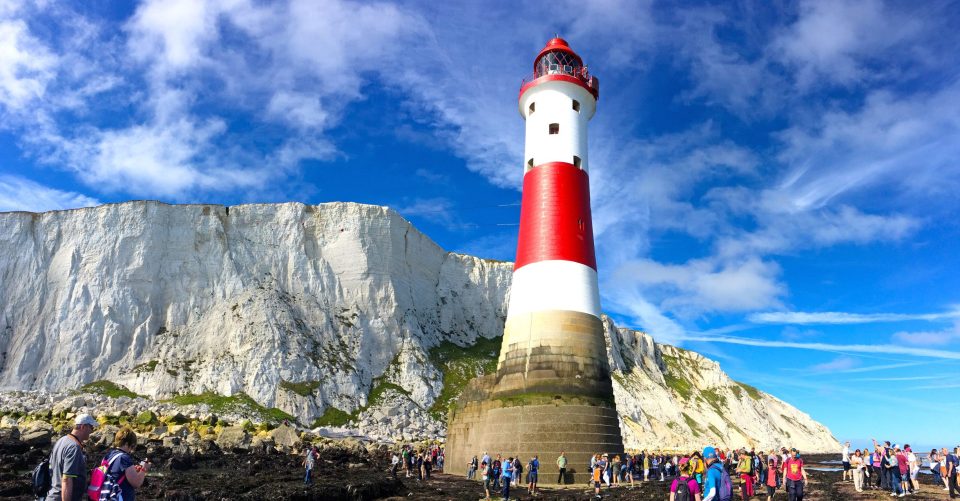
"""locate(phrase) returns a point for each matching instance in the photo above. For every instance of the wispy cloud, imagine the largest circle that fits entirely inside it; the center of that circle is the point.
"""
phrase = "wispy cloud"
(837, 317)
(905, 378)
(837, 364)
(930, 338)
(19, 194)
(832, 348)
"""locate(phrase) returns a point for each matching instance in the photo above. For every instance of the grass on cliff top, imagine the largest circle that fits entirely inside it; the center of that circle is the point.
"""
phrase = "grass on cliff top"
(753, 392)
(108, 389)
(459, 365)
(240, 403)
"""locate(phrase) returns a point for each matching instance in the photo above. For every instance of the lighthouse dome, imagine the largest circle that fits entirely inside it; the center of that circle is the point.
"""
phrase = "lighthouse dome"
(557, 58)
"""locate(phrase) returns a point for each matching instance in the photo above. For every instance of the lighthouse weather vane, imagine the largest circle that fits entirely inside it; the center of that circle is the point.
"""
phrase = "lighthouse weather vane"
(552, 390)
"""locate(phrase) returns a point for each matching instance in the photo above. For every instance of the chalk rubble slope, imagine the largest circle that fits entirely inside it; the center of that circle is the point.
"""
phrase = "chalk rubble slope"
(304, 308)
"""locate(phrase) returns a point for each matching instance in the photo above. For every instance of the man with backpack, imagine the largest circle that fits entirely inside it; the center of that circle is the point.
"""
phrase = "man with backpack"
(68, 463)
(718, 486)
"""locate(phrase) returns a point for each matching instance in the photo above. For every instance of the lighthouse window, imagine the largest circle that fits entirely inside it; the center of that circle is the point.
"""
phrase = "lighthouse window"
(554, 128)
(576, 161)
(576, 106)
(533, 107)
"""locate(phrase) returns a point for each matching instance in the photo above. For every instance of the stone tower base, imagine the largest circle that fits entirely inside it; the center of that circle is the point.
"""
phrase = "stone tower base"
(528, 426)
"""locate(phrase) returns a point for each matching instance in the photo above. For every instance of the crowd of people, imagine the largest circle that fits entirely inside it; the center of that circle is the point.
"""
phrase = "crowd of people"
(708, 475)
(896, 469)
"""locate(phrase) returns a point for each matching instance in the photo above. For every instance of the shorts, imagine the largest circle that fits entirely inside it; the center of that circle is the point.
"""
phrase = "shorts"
(771, 490)
(486, 483)
(596, 484)
(846, 465)
(532, 477)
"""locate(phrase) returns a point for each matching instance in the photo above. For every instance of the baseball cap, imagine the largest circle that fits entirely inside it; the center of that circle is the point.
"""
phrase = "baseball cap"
(684, 461)
(709, 453)
(86, 419)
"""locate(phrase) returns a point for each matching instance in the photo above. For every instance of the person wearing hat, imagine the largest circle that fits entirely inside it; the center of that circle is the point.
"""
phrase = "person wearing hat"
(68, 463)
(711, 488)
(685, 486)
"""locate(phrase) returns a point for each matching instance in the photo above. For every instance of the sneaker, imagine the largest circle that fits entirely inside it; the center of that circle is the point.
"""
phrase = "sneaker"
(902, 494)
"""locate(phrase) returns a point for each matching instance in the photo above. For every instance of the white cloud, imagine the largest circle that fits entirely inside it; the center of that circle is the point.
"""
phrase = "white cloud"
(26, 65)
(831, 41)
(931, 338)
(838, 317)
(438, 210)
(20, 194)
(833, 348)
(837, 364)
(700, 286)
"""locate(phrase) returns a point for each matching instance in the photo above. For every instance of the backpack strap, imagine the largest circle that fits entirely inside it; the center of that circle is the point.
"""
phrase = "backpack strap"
(116, 456)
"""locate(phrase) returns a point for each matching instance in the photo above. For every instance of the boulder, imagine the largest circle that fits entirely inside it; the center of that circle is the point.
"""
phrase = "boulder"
(10, 433)
(285, 436)
(146, 417)
(233, 438)
(263, 444)
(37, 437)
(8, 422)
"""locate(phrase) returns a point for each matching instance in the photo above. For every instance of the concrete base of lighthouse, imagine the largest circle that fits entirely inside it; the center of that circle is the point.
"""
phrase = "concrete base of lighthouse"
(551, 393)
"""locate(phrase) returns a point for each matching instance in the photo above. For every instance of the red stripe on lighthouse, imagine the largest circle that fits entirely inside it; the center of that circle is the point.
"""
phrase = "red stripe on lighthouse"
(555, 221)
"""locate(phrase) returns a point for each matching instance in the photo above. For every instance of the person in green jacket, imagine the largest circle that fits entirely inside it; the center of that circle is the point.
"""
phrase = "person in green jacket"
(562, 464)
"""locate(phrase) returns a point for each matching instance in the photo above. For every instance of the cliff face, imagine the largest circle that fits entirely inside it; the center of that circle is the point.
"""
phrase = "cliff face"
(303, 308)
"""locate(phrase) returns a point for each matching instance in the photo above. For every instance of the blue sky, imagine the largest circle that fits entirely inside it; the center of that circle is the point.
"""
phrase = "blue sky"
(774, 183)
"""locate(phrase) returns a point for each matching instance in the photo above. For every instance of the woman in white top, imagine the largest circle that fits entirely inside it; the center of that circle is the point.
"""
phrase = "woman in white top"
(914, 462)
(856, 465)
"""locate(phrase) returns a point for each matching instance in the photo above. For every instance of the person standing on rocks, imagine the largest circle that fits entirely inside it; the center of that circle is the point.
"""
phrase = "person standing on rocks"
(507, 476)
(472, 468)
(796, 476)
(953, 462)
(68, 463)
(121, 464)
(845, 459)
(532, 473)
(562, 465)
(394, 464)
(309, 460)
(487, 472)
(856, 467)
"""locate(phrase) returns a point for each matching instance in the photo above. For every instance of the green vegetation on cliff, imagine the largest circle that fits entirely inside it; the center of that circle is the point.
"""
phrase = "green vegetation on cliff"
(459, 365)
(108, 388)
(240, 403)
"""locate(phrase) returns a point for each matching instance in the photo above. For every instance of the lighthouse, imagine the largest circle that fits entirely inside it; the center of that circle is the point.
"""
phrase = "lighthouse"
(552, 391)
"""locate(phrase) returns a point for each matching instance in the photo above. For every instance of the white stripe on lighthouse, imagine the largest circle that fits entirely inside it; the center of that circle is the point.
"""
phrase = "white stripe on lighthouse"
(555, 285)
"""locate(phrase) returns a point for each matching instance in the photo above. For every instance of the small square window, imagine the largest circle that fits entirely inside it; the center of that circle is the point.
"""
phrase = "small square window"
(554, 128)
(576, 106)
(576, 161)
(533, 107)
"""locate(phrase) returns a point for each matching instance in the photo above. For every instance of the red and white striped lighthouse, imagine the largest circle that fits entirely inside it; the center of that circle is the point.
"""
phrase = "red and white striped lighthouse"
(552, 390)
(555, 267)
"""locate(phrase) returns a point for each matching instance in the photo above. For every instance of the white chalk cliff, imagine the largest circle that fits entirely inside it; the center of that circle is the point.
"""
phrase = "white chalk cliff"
(305, 308)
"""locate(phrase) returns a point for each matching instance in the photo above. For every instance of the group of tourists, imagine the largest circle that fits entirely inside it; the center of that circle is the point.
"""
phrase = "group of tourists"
(896, 469)
(417, 463)
(708, 475)
(63, 477)
(499, 473)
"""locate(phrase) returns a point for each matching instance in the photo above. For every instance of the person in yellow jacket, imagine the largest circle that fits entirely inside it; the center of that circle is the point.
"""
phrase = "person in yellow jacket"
(697, 468)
